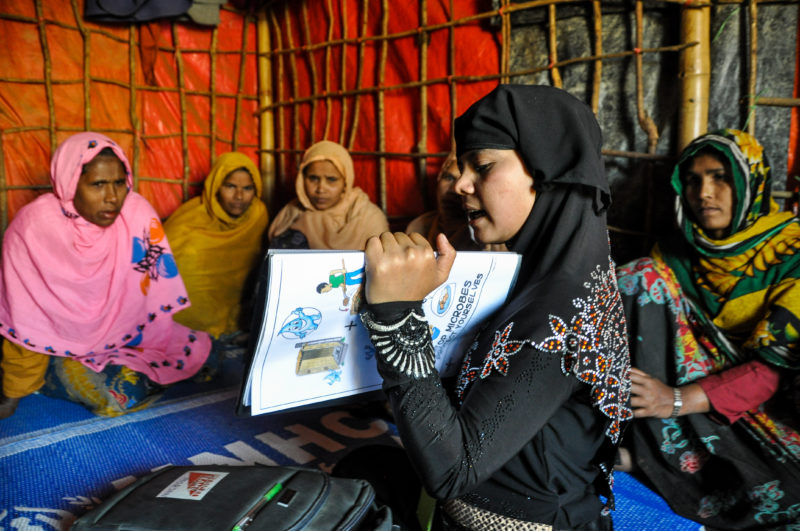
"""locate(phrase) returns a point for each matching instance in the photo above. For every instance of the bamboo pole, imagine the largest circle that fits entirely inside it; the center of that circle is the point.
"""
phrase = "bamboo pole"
(552, 32)
(359, 72)
(212, 98)
(184, 124)
(695, 73)
(126, 85)
(312, 64)
(85, 36)
(295, 83)
(422, 144)
(778, 102)
(276, 31)
(242, 72)
(451, 72)
(753, 81)
(645, 122)
(597, 74)
(266, 120)
(48, 70)
(327, 74)
(343, 73)
(505, 51)
(136, 124)
(381, 109)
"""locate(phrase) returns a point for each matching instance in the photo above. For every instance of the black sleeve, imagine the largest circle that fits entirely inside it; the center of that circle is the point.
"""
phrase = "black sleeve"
(456, 448)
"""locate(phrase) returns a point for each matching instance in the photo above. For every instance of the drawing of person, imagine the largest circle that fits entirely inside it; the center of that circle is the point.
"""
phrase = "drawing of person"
(341, 278)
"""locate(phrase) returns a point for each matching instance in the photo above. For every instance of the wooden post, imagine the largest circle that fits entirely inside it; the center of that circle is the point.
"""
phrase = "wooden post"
(305, 35)
(265, 120)
(422, 143)
(695, 73)
(553, 45)
(597, 75)
(384, 51)
(181, 77)
(753, 74)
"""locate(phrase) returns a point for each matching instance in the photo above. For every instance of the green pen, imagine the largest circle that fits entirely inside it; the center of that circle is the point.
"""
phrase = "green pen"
(251, 514)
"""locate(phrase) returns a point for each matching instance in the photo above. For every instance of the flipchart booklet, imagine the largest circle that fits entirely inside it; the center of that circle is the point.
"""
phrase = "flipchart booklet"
(311, 346)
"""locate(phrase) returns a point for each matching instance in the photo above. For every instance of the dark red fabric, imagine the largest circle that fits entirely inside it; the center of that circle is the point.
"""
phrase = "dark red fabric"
(739, 389)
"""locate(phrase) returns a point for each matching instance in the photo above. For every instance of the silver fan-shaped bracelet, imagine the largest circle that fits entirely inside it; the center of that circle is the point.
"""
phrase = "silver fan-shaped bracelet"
(405, 345)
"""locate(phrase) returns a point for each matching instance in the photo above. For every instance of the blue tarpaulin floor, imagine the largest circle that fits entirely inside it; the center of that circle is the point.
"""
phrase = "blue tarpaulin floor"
(57, 460)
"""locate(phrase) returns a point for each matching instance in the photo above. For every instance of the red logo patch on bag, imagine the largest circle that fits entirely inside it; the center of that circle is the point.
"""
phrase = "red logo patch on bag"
(192, 485)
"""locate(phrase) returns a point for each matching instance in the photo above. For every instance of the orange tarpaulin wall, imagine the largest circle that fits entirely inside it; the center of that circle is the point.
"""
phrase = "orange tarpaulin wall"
(176, 95)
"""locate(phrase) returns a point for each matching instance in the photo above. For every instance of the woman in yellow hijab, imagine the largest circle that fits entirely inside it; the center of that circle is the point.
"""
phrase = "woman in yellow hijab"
(217, 240)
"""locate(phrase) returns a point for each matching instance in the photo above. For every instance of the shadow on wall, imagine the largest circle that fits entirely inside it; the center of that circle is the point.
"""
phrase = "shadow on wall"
(642, 209)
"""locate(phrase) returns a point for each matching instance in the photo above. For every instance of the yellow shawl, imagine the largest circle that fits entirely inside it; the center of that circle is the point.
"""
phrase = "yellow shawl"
(346, 225)
(215, 252)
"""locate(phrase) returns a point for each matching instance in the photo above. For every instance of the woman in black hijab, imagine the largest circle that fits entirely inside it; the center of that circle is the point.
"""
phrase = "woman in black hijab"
(529, 433)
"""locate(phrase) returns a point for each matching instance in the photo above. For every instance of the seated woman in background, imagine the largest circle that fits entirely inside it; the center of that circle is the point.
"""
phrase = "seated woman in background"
(89, 287)
(527, 438)
(714, 317)
(449, 217)
(329, 212)
(217, 239)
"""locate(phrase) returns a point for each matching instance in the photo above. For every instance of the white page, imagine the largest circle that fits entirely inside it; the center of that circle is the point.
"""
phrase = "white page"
(312, 346)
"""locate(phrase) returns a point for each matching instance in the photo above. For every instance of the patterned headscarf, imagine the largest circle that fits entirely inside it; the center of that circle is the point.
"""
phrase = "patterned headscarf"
(751, 175)
(745, 287)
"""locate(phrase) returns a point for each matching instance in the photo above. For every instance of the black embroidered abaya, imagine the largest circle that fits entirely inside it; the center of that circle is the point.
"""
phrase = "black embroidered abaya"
(531, 428)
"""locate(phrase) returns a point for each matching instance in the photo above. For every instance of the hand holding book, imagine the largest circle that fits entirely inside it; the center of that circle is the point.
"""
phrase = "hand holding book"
(402, 267)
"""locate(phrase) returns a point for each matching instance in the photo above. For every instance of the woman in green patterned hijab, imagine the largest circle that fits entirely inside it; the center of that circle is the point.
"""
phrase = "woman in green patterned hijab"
(714, 320)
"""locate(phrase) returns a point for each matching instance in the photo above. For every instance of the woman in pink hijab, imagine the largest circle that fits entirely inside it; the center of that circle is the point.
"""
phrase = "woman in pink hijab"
(88, 287)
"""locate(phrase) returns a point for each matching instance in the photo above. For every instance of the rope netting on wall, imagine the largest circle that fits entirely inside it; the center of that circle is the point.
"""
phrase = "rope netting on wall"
(383, 78)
